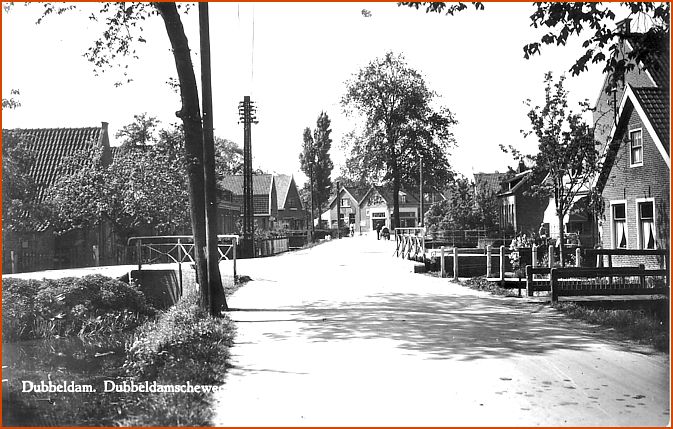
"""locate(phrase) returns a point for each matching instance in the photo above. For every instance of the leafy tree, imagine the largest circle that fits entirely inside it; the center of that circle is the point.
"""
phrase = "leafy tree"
(399, 124)
(458, 212)
(123, 30)
(315, 160)
(487, 207)
(595, 21)
(143, 191)
(19, 211)
(568, 158)
(228, 158)
(139, 133)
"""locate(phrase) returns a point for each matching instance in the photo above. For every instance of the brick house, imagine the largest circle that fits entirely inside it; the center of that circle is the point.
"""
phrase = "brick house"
(265, 201)
(228, 212)
(42, 248)
(635, 181)
(291, 213)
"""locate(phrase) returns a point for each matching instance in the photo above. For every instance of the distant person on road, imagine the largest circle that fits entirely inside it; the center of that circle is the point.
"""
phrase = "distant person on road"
(378, 231)
(352, 229)
(385, 232)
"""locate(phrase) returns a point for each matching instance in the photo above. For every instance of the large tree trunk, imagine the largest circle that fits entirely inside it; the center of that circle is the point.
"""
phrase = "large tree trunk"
(561, 238)
(191, 121)
(396, 189)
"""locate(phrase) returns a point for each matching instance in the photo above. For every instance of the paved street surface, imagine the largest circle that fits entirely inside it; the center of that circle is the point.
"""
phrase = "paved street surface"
(344, 334)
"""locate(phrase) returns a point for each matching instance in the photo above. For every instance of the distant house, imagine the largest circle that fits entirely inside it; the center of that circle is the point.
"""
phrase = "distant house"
(489, 183)
(265, 200)
(291, 214)
(228, 212)
(520, 212)
(376, 208)
(42, 248)
(349, 199)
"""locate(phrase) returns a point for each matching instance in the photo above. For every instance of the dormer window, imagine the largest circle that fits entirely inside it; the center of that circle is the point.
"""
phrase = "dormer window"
(636, 147)
(345, 202)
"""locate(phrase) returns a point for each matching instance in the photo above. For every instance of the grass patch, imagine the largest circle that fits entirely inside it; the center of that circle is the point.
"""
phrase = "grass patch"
(642, 326)
(480, 283)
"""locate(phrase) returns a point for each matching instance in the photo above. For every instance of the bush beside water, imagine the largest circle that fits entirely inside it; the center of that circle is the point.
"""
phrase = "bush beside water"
(89, 305)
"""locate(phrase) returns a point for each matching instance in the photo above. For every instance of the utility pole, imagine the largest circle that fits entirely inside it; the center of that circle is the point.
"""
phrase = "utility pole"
(338, 207)
(246, 111)
(420, 163)
(217, 300)
(310, 167)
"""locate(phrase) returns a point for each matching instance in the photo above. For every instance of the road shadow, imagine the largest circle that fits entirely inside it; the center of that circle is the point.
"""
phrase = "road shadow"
(446, 326)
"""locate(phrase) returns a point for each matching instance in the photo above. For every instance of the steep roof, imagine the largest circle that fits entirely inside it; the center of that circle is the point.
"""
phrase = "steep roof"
(283, 182)
(654, 102)
(387, 194)
(52, 146)
(261, 184)
(490, 181)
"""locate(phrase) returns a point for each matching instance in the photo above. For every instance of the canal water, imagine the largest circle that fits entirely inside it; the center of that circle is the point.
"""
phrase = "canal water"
(69, 369)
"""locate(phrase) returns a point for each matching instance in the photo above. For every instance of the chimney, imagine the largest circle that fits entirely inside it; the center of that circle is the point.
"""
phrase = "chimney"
(624, 26)
(522, 166)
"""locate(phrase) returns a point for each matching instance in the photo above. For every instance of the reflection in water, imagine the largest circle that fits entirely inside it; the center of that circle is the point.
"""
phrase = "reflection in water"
(78, 360)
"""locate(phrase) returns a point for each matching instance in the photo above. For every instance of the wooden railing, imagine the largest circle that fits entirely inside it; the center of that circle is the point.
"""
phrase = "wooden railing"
(607, 281)
(410, 243)
(179, 249)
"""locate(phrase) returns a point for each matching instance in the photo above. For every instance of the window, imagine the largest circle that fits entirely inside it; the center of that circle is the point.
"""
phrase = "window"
(646, 229)
(403, 198)
(345, 202)
(636, 144)
(619, 225)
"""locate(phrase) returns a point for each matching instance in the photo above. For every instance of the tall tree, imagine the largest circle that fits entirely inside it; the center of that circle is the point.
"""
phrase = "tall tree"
(399, 122)
(595, 23)
(322, 171)
(123, 29)
(307, 161)
(315, 161)
(568, 159)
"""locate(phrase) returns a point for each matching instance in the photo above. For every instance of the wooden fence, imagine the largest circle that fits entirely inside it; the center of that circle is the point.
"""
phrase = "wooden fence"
(607, 281)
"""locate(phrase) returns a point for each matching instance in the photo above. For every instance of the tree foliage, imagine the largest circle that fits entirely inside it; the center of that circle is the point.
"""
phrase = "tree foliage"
(140, 133)
(465, 208)
(594, 22)
(399, 124)
(315, 160)
(568, 157)
(143, 191)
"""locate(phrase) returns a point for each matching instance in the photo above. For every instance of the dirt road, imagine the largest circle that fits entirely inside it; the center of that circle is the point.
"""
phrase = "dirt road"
(343, 334)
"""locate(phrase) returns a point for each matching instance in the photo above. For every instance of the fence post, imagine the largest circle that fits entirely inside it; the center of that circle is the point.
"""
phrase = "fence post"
(553, 283)
(15, 265)
(533, 255)
(96, 255)
(642, 276)
(455, 263)
(139, 255)
(180, 266)
(234, 243)
(578, 257)
(442, 263)
(529, 280)
(489, 251)
(502, 263)
(551, 256)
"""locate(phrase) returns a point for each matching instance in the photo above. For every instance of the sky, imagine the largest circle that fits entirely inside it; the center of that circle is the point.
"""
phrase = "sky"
(293, 59)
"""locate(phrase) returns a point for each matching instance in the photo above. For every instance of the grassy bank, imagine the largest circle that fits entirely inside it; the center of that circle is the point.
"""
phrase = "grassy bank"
(480, 283)
(184, 344)
(641, 325)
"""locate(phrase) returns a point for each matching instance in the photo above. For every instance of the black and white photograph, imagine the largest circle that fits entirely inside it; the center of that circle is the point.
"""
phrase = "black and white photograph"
(336, 214)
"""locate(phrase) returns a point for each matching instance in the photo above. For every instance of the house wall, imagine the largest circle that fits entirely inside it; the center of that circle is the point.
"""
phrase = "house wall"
(292, 215)
(350, 214)
(631, 184)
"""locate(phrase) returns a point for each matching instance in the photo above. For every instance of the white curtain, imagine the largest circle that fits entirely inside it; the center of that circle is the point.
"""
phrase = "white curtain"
(620, 235)
(648, 234)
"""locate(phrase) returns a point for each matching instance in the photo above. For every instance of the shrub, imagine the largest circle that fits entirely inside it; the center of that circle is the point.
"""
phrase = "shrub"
(70, 306)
